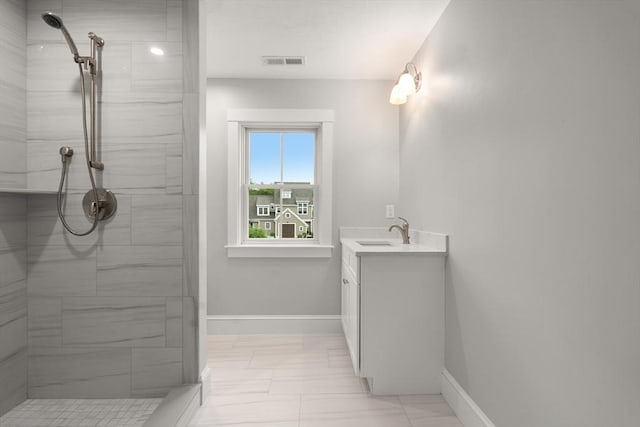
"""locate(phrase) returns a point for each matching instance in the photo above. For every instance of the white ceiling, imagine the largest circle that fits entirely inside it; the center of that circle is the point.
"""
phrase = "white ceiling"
(341, 39)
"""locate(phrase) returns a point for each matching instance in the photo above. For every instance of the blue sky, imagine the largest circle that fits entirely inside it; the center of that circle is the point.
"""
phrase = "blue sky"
(296, 149)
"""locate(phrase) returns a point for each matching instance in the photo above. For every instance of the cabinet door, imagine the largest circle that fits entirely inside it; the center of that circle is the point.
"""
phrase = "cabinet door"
(344, 311)
(352, 332)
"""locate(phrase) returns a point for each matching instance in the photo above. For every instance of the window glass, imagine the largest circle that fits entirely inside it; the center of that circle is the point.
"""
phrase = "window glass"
(279, 157)
(298, 153)
(264, 148)
(281, 172)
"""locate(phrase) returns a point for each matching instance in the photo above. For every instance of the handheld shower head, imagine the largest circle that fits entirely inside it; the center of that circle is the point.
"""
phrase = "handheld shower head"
(52, 20)
(55, 21)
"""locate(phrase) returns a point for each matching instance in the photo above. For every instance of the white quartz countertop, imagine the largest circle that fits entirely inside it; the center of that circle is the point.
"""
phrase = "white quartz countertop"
(378, 240)
(371, 246)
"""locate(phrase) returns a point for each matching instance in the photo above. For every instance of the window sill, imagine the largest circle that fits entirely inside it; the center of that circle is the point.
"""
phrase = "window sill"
(279, 251)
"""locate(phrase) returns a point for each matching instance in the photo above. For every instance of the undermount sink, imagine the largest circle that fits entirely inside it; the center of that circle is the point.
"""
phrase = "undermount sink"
(373, 243)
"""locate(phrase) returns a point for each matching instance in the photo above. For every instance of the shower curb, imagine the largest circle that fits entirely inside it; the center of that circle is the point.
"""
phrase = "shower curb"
(177, 408)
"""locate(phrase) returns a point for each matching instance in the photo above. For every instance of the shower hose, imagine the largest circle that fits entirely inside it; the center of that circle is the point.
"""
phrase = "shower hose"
(66, 158)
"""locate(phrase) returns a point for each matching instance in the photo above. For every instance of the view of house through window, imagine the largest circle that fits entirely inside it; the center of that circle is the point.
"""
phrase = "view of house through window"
(280, 184)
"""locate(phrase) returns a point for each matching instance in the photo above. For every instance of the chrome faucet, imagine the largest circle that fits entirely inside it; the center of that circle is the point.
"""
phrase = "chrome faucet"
(404, 230)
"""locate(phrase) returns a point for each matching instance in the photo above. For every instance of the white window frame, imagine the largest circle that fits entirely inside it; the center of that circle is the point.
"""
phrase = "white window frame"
(238, 121)
(303, 206)
(267, 225)
(263, 208)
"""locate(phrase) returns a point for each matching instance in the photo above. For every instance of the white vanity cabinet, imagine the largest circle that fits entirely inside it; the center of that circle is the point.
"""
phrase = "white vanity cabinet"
(351, 306)
(393, 317)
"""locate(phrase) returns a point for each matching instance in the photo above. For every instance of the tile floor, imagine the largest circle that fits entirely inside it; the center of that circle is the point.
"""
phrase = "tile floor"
(80, 413)
(302, 381)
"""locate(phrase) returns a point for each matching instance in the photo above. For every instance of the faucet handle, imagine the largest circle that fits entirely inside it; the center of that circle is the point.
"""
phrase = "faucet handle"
(405, 221)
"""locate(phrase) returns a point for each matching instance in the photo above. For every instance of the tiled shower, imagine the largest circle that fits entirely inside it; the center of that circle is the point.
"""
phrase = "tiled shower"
(112, 314)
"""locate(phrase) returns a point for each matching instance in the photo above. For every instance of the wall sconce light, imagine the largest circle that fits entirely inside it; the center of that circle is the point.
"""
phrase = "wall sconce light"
(408, 83)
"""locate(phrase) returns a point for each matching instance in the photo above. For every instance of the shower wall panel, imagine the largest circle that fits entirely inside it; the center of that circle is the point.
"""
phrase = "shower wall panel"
(13, 126)
(106, 310)
(13, 301)
(13, 207)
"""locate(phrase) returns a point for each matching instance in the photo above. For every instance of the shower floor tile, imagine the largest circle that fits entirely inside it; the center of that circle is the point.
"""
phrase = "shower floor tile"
(80, 413)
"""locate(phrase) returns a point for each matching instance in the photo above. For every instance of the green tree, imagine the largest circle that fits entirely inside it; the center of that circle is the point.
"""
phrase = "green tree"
(257, 233)
(261, 191)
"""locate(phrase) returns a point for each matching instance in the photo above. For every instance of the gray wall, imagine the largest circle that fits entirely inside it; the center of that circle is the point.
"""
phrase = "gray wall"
(13, 224)
(524, 148)
(113, 314)
(365, 179)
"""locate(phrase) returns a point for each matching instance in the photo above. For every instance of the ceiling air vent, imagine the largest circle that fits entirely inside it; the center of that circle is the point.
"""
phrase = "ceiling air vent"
(295, 60)
(283, 60)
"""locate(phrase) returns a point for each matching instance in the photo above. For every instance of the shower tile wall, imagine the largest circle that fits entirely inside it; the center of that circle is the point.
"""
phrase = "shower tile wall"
(12, 94)
(13, 301)
(13, 207)
(106, 310)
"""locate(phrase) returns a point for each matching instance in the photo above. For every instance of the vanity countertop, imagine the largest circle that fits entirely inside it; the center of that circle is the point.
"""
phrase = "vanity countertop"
(366, 246)
(370, 241)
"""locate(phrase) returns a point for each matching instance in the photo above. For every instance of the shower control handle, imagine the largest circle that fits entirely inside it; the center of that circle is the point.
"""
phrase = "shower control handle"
(105, 205)
(97, 209)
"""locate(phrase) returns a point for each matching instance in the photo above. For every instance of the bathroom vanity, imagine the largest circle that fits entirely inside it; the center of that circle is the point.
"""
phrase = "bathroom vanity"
(393, 309)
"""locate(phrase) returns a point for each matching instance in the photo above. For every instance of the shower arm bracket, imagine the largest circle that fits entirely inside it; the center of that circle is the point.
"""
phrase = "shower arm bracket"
(96, 165)
(87, 62)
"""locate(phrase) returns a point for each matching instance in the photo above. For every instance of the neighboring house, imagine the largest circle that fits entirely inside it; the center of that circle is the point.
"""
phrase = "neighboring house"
(286, 214)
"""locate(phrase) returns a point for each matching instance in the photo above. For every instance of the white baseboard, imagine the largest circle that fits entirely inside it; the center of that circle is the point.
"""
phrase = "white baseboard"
(205, 381)
(469, 414)
(274, 324)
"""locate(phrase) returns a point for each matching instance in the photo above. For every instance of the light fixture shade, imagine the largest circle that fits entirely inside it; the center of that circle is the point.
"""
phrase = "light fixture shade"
(407, 83)
(398, 96)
